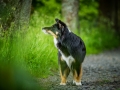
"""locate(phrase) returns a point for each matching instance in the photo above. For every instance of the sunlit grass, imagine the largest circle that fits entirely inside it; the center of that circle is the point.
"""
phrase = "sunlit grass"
(31, 49)
(41, 55)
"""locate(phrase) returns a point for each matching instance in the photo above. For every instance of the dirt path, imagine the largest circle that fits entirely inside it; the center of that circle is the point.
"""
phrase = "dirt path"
(100, 72)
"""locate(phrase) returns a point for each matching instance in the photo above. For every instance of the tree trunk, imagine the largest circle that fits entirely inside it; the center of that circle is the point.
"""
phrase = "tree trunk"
(14, 14)
(70, 13)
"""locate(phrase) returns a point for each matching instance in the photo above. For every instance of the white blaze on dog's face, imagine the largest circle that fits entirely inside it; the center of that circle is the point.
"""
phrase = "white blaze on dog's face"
(55, 30)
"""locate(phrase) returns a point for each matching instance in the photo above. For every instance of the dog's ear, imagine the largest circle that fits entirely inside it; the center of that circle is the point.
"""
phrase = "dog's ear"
(58, 22)
(61, 24)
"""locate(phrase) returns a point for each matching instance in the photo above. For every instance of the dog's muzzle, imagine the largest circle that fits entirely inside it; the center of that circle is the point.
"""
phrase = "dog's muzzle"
(49, 32)
(45, 31)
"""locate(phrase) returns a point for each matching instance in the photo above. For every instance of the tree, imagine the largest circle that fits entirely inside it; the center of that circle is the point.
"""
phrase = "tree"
(70, 13)
(14, 14)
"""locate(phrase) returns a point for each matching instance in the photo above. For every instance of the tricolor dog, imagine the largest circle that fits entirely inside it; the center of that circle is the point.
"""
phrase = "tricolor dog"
(71, 51)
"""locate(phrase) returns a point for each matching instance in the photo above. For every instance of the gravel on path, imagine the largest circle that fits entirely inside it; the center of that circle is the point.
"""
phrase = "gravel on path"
(100, 72)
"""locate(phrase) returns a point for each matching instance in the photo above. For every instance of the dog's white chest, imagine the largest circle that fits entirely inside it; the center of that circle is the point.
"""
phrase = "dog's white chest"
(68, 59)
(55, 42)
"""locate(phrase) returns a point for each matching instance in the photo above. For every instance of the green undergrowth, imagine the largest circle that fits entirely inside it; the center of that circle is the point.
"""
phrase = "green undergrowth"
(41, 55)
(98, 38)
(31, 49)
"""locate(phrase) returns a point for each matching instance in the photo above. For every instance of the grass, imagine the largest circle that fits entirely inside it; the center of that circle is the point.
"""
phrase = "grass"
(41, 55)
(35, 51)
(32, 49)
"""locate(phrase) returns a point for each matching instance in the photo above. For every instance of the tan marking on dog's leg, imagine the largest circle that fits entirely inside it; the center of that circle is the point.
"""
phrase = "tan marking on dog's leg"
(77, 78)
(63, 79)
(64, 76)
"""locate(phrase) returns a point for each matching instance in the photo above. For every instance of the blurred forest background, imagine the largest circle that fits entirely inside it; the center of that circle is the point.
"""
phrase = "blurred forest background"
(23, 44)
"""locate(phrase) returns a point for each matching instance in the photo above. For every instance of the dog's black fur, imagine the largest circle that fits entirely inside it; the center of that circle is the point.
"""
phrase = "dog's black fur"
(70, 45)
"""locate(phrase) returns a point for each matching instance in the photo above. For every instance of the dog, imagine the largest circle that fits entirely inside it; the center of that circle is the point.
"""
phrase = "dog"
(71, 51)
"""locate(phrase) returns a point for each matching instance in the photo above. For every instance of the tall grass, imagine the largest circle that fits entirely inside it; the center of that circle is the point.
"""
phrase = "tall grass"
(31, 49)
(41, 55)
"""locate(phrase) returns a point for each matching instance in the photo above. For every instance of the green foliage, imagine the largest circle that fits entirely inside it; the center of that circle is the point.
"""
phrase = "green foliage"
(88, 9)
(98, 37)
(49, 7)
(97, 34)
(41, 53)
(13, 77)
(31, 49)
(13, 72)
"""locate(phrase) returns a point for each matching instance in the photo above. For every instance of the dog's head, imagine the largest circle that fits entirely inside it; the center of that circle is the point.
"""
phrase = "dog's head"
(55, 30)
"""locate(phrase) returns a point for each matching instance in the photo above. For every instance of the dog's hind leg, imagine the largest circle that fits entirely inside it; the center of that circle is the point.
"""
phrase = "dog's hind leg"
(77, 75)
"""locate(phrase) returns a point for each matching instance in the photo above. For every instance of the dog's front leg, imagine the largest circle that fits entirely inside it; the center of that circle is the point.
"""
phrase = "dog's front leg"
(64, 72)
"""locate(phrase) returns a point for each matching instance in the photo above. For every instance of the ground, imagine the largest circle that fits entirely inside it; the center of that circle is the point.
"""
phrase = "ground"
(100, 72)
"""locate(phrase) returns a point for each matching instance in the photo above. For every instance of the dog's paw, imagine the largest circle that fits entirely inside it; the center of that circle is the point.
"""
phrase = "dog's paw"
(77, 83)
(62, 83)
